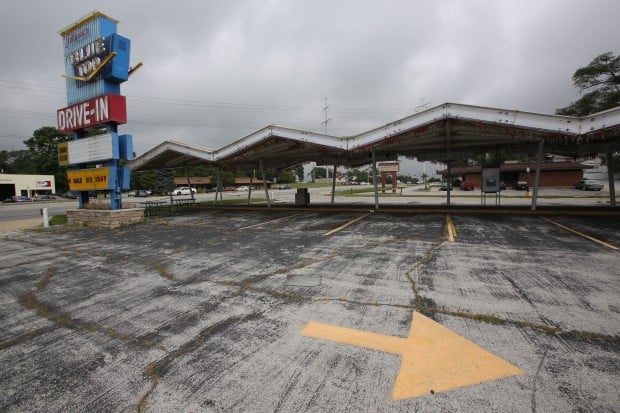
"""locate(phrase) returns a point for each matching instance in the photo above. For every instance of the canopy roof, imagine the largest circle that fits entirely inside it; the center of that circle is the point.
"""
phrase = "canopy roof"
(446, 132)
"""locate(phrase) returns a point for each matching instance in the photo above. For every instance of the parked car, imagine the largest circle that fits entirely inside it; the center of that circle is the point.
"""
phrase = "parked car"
(243, 188)
(230, 188)
(44, 197)
(141, 192)
(521, 185)
(18, 198)
(589, 185)
(71, 194)
(287, 186)
(445, 186)
(182, 190)
(467, 186)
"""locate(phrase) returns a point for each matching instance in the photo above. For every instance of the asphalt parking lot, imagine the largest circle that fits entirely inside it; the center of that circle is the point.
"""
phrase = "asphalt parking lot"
(279, 311)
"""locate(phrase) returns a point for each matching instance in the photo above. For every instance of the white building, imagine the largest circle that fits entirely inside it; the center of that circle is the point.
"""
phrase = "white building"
(26, 185)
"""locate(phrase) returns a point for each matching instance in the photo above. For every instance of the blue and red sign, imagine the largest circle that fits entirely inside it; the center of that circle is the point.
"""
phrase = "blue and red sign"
(96, 63)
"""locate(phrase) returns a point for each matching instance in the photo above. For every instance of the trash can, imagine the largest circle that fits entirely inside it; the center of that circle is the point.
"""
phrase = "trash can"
(302, 197)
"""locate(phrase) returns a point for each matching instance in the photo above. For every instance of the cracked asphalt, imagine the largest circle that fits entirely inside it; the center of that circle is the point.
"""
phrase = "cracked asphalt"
(203, 312)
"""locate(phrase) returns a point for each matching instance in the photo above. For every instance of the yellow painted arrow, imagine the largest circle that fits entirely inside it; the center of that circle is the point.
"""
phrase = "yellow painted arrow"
(434, 359)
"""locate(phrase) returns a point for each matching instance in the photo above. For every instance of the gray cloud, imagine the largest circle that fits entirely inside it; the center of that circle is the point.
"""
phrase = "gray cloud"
(216, 71)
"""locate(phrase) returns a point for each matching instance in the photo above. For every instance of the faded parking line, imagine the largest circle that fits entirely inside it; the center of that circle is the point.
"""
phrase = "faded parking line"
(343, 226)
(268, 222)
(581, 234)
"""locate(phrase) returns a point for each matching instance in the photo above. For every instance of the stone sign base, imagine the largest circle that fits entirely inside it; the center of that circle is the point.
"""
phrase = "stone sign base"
(103, 218)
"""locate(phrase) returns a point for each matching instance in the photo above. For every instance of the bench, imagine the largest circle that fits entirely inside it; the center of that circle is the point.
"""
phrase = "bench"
(152, 208)
(180, 203)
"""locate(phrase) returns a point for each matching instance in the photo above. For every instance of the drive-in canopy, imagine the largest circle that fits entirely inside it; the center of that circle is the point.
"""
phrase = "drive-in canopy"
(443, 133)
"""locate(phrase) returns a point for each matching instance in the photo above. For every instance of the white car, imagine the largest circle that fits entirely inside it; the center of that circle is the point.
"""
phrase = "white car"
(243, 188)
(182, 190)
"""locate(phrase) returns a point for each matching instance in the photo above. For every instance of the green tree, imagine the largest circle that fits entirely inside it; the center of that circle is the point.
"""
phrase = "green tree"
(43, 155)
(601, 80)
(318, 172)
(299, 173)
(285, 177)
(5, 157)
(20, 162)
(43, 148)
(143, 180)
(164, 181)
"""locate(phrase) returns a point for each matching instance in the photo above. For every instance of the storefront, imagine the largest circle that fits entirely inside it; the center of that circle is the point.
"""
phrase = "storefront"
(26, 185)
(552, 174)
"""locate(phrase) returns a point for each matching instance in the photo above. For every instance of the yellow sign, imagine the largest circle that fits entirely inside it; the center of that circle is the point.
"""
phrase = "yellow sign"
(63, 154)
(434, 359)
(89, 179)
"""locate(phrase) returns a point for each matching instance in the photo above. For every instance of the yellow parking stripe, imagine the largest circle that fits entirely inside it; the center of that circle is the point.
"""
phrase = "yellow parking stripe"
(340, 228)
(268, 222)
(581, 234)
(451, 228)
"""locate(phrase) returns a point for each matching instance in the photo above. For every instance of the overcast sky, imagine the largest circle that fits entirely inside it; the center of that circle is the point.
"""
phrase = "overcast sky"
(215, 71)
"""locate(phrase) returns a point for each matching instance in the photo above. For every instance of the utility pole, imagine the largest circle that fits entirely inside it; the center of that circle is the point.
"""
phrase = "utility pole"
(324, 123)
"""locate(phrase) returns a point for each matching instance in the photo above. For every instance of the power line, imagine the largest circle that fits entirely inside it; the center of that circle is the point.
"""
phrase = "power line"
(172, 102)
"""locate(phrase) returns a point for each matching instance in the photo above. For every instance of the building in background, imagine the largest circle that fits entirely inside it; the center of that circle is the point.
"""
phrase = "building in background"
(26, 185)
(559, 174)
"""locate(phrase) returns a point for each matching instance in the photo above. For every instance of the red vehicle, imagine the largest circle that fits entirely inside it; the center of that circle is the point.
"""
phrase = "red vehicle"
(467, 186)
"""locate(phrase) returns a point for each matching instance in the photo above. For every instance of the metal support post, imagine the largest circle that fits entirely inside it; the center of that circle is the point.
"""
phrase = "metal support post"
(250, 189)
(262, 174)
(115, 197)
(449, 183)
(539, 155)
(334, 184)
(610, 177)
(191, 193)
(449, 146)
(218, 190)
(374, 179)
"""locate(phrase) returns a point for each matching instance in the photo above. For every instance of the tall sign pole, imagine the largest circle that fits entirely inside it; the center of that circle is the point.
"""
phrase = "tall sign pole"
(96, 63)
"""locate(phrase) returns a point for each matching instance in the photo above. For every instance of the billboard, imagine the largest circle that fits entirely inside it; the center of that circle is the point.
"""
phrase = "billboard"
(95, 149)
(92, 112)
(96, 62)
(97, 179)
(96, 57)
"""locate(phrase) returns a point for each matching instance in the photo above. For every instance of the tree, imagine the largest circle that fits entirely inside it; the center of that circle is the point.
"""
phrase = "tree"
(285, 177)
(318, 172)
(299, 173)
(43, 155)
(601, 78)
(143, 180)
(4, 161)
(164, 181)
